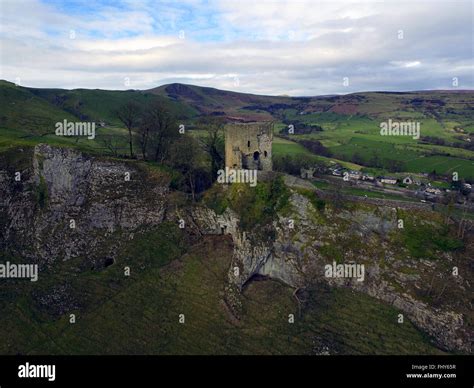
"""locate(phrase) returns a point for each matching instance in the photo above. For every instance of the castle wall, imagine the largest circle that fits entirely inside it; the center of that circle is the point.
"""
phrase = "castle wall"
(249, 146)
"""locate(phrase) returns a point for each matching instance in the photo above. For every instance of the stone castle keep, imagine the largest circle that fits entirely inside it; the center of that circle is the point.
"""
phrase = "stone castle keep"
(249, 146)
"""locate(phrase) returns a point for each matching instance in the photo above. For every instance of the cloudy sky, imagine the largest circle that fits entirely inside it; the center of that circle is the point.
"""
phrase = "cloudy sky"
(293, 47)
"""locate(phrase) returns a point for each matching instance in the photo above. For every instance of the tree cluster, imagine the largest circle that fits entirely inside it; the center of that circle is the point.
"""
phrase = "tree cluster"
(155, 135)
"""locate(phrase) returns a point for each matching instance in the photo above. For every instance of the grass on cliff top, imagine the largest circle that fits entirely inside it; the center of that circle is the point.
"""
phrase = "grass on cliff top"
(424, 239)
(317, 202)
(140, 314)
(255, 205)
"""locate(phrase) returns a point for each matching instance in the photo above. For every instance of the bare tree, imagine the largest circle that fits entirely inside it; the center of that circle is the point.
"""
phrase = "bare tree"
(144, 132)
(185, 156)
(157, 132)
(213, 142)
(129, 115)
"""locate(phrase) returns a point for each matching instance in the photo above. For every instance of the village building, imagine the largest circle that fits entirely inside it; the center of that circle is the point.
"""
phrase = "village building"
(433, 190)
(307, 173)
(410, 180)
(355, 174)
(388, 180)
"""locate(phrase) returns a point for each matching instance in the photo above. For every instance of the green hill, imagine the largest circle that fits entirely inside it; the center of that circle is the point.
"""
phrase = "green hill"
(101, 105)
(350, 123)
(24, 111)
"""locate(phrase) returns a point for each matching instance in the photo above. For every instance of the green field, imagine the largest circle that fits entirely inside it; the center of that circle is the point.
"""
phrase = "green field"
(443, 165)
(287, 147)
(352, 138)
(351, 123)
(163, 284)
(374, 194)
(351, 127)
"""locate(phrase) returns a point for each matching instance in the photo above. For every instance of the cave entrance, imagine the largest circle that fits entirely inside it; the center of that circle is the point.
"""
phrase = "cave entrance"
(256, 277)
(108, 262)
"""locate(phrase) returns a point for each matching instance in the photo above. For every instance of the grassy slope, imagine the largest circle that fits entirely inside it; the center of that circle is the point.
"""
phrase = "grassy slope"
(101, 105)
(139, 315)
(351, 122)
(287, 147)
(346, 133)
(169, 276)
(28, 115)
(208, 100)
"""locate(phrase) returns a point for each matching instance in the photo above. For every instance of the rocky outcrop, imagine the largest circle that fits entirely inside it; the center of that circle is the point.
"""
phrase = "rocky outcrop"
(295, 257)
(67, 205)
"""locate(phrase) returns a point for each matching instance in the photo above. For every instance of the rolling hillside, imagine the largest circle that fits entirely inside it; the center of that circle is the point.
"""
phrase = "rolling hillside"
(210, 101)
(33, 109)
(350, 123)
(169, 267)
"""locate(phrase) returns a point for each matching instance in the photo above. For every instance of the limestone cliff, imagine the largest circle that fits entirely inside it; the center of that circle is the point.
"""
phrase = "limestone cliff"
(69, 205)
(305, 241)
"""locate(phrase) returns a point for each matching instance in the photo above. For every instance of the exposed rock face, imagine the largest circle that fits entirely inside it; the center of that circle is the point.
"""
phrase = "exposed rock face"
(67, 204)
(60, 185)
(295, 258)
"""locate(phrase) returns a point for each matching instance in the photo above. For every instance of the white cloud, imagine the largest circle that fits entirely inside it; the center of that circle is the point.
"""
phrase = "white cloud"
(279, 47)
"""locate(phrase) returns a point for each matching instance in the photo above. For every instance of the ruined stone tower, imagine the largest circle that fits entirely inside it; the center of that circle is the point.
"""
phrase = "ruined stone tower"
(249, 146)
